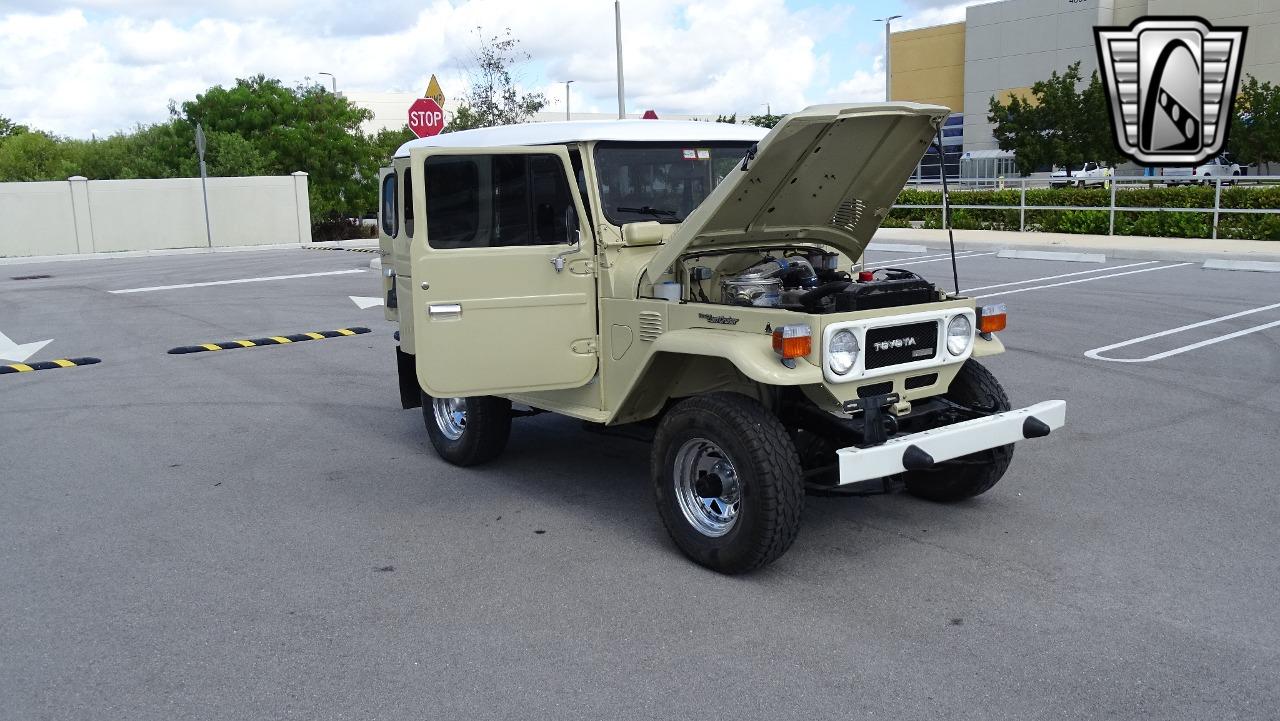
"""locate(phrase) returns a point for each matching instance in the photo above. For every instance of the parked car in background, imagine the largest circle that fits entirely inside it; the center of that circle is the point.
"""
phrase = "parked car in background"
(1093, 173)
(1219, 167)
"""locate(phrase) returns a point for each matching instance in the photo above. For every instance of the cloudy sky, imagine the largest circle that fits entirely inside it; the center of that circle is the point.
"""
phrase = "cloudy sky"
(99, 66)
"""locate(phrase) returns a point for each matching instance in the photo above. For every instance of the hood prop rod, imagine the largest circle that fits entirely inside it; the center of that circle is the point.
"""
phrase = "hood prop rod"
(946, 210)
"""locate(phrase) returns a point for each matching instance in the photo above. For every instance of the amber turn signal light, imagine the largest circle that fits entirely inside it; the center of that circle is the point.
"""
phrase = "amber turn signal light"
(792, 341)
(991, 318)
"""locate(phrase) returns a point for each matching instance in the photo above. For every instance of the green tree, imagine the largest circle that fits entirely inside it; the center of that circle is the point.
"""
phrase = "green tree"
(8, 128)
(768, 120)
(727, 118)
(1064, 122)
(1255, 131)
(32, 156)
(387, 141)
(303, 128)
(492, 97)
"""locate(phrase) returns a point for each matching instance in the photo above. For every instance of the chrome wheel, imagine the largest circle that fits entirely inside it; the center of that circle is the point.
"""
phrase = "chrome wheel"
(451, 416)
(707, 487)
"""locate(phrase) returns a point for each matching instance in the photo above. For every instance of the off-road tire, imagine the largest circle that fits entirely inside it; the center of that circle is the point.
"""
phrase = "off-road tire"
(767, 468)
(488, 426)
(976, 387)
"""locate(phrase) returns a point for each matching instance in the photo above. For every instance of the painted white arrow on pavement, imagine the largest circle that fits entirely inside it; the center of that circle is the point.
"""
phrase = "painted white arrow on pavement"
(363, 302)
(19, 353)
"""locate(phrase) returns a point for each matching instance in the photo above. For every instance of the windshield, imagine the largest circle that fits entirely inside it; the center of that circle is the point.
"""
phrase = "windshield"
(661, 181)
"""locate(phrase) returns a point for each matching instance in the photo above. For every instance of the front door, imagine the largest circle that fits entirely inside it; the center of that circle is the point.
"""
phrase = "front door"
(504, 296)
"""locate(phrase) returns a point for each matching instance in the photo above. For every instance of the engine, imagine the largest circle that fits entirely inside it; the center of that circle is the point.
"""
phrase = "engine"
(810, 282)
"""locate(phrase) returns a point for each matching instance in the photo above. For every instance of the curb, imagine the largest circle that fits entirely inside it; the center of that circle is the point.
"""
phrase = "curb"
(272, 340)
(1254, 265)
(160, 252)
(48, 365)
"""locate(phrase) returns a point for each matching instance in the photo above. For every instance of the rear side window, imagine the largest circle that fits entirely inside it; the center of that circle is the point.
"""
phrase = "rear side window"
(408, 202)
(390, 208)
(476, 201)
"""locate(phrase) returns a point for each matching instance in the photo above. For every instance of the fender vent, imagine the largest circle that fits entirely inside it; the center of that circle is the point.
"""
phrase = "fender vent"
(848, 214)
(650, 325)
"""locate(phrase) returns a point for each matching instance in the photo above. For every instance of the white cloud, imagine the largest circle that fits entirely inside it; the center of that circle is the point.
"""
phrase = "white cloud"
(104, 65)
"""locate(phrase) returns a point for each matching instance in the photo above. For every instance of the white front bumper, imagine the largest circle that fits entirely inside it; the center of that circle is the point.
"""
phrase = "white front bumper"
(948, 442)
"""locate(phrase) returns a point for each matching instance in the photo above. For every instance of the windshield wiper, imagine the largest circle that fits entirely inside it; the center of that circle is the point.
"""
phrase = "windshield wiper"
(646, 210)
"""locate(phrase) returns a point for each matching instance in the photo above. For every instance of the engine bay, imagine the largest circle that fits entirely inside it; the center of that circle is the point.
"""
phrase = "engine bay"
(802, 279)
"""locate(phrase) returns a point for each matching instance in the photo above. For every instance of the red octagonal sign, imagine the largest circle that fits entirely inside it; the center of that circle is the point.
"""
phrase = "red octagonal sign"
(426, 118)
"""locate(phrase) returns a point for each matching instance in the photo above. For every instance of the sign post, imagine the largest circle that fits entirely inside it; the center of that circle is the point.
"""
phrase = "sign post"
(426, 118)
(204, 185)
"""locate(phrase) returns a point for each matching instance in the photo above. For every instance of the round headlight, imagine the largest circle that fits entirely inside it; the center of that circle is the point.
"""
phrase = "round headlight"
(842, 352)
(959, 335)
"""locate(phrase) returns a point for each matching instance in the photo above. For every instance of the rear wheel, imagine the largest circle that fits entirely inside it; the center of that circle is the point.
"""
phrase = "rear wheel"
(467, 431)
(974, 386)
(727, 481)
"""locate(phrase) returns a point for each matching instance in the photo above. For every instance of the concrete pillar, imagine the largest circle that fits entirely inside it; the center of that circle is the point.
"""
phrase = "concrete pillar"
(79, 189)
(303, 203)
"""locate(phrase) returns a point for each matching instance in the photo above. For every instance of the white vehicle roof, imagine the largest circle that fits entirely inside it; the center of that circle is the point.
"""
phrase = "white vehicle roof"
(578, 131)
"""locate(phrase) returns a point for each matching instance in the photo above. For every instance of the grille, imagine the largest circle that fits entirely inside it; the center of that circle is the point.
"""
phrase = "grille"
(847, 214)
(875, 389)
(921, 381)
(898, 344)
(650, 325)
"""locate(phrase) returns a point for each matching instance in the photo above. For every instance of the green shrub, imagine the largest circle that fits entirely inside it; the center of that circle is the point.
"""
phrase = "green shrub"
(1168, 224)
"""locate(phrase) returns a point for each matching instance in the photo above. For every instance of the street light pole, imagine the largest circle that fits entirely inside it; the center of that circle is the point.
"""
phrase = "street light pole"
(566, 99)
(617, 25)
(334, 79)
(888, 67)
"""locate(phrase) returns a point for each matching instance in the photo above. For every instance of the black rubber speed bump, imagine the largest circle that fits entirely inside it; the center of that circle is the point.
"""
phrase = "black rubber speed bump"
(47, 365)
(272, 340)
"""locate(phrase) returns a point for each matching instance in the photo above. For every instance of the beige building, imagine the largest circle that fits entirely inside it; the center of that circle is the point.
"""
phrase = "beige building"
(1003, 48)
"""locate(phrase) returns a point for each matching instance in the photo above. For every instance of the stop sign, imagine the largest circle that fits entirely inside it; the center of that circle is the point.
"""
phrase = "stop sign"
(426, 118)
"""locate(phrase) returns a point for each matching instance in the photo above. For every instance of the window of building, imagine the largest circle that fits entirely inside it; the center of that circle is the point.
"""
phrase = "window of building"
(390, 210)
(498, 200)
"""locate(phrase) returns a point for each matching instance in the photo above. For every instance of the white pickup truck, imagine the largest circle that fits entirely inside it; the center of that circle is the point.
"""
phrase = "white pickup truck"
(1092, 173)
(1219, 167)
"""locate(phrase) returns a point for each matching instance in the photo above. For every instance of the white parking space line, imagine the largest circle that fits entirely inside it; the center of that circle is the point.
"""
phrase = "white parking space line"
(236, 281)
(1096, 353)
(1084, 280)
(1055, 277)
(918, 257)
(959, 256)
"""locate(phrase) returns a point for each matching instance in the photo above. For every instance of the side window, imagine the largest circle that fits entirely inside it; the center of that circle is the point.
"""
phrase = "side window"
(408, 202)
(390, 209)
(498, 200)
(452, 183)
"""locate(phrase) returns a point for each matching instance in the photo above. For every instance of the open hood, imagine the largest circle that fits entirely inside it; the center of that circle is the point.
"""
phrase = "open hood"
(827, 174)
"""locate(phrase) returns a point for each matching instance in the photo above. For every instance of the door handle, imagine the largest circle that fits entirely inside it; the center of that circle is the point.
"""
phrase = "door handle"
(442, 309)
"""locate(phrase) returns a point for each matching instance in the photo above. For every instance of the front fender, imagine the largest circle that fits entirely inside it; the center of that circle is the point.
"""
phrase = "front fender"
(982, 347)
(752, 354)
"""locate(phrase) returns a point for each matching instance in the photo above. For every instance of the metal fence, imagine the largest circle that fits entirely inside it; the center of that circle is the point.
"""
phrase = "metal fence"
(1113, 184)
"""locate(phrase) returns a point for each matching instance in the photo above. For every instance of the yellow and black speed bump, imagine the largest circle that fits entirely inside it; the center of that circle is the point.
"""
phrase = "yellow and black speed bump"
(334, 247)
(46, 365)
(273, 340)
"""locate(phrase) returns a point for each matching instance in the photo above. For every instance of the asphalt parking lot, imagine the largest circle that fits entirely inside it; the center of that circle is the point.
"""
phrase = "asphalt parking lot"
(263, 533)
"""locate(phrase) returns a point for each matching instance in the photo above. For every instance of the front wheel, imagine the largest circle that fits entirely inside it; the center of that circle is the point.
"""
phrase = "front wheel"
(974, 386)
(727, 481)
(467, 431)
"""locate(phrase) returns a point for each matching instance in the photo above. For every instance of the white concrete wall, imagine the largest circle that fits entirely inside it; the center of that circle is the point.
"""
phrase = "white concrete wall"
(96, 216)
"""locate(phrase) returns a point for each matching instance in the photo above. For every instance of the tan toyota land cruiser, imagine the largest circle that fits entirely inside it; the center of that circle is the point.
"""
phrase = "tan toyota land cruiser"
(696, 281)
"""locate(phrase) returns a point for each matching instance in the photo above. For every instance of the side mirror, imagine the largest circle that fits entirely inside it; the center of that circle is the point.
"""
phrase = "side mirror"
(645, 232)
